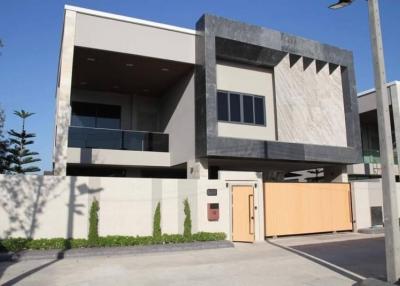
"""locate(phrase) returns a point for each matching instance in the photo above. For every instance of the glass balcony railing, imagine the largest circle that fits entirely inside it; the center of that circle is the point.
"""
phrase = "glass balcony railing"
(374, 157)
(99, 138)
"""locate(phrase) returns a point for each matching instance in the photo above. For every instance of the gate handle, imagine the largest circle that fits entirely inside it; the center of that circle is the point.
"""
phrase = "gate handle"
(251, 214)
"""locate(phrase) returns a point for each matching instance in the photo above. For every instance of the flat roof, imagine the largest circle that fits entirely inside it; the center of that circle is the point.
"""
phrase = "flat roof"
(130, 20)
(368, 91)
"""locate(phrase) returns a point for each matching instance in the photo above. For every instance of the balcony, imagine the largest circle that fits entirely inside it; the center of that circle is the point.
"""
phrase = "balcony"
(373, 156)
(114, 139)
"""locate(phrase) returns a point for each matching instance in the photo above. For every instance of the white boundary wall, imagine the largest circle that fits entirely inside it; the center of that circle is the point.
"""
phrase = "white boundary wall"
(58, 206)
(367, 194)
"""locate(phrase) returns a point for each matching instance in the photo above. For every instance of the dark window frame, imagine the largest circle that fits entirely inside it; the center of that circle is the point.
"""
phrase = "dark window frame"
(241, 95)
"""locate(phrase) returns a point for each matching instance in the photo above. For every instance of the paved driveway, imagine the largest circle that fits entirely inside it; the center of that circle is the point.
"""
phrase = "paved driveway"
(246, 264)
(365, 257)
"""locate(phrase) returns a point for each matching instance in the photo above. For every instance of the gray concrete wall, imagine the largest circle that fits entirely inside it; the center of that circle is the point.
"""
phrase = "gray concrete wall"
(177, 119)
(124, 37)
(367, 194)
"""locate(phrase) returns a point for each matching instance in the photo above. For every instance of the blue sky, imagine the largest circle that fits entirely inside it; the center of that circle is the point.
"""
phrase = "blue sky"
(31, 31)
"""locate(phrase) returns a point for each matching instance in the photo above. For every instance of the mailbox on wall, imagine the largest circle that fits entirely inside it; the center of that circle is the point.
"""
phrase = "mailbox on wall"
(213, 212)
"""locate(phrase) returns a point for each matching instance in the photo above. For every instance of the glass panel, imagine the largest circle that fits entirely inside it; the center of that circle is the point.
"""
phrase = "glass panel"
(96, 115)
(248, 111)
(84, 109)
(235, 107)
(259, 110)
(108, 111)
(110, 123)
(133, 141)
(82, 137)
(222, 98)
(84, 121)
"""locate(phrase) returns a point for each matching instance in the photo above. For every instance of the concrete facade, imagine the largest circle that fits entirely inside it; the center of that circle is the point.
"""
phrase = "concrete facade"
(309, 90)
(233, 41)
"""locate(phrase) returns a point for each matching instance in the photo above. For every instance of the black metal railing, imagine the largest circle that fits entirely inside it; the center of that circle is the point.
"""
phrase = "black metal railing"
(99, 138)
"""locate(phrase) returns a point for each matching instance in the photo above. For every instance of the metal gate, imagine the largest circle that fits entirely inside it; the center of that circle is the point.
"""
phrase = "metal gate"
(300, 208)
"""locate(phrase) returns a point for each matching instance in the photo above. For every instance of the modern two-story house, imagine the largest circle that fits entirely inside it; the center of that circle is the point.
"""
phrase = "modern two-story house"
(142, 99)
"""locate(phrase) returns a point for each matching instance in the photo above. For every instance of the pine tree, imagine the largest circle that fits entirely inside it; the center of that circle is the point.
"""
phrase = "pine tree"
(4, 164)
(19, 156)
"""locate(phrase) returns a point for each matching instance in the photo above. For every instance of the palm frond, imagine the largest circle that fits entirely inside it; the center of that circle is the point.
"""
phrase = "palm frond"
(23, 114)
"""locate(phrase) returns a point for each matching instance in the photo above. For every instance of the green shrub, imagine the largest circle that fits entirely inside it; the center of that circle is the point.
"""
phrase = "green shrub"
(173, 238)
(93, 235)
(208, 236)
(187, 225)
(18, 244)
(157, 223)
(14, 244)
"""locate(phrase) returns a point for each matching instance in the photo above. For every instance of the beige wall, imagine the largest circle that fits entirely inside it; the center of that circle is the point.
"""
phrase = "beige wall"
(178, 120)
(365, 195)
(63, 108)
(56, 206)
(118, 157)
(250, 80)
(120, 36)
(309, 105)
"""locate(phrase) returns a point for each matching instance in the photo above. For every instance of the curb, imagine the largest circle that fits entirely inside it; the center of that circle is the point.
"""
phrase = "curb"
(111, 251)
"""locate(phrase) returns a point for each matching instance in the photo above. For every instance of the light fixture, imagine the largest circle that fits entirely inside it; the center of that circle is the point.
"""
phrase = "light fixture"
(91, 59)
(341, 4)
(129, 65)
(115, 86)
(83, 83)
(165, 69)
(146, 90)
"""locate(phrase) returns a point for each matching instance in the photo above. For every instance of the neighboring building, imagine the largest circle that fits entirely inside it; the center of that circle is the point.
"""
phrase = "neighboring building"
(142, 99)
(370, 168)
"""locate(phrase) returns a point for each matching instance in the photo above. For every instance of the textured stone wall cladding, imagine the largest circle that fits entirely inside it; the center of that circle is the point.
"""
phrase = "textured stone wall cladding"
(309, 104)
(219, 38)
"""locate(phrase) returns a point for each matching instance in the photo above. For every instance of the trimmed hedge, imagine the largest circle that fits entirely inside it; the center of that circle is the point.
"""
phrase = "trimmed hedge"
(157, 222)
(187, 224)
(18, 244)
(93, 235)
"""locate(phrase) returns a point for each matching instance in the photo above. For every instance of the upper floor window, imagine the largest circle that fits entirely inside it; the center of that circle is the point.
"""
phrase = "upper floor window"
(96, 115)
(241, 108)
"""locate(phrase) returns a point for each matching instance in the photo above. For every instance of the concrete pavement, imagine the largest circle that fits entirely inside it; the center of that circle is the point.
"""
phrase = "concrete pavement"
(246, 264)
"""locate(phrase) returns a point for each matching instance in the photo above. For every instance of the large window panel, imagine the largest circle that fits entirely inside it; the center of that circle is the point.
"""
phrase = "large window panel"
(235, 108)
(241, 108)
(248, 109)
(222, 104)
(259, 110)
(96, 115)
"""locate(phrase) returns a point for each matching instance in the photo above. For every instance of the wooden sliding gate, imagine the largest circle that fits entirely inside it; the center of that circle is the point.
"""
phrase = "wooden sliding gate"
(300, 208)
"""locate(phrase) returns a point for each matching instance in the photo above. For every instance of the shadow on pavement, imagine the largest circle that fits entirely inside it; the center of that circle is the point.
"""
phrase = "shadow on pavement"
(363, 257)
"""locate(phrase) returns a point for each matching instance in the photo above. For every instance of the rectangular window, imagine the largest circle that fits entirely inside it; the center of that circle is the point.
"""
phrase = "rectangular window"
(234, 104)
(248, 110)
(96, 115)
(222, 103)
(240, 108)
(259, 110)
